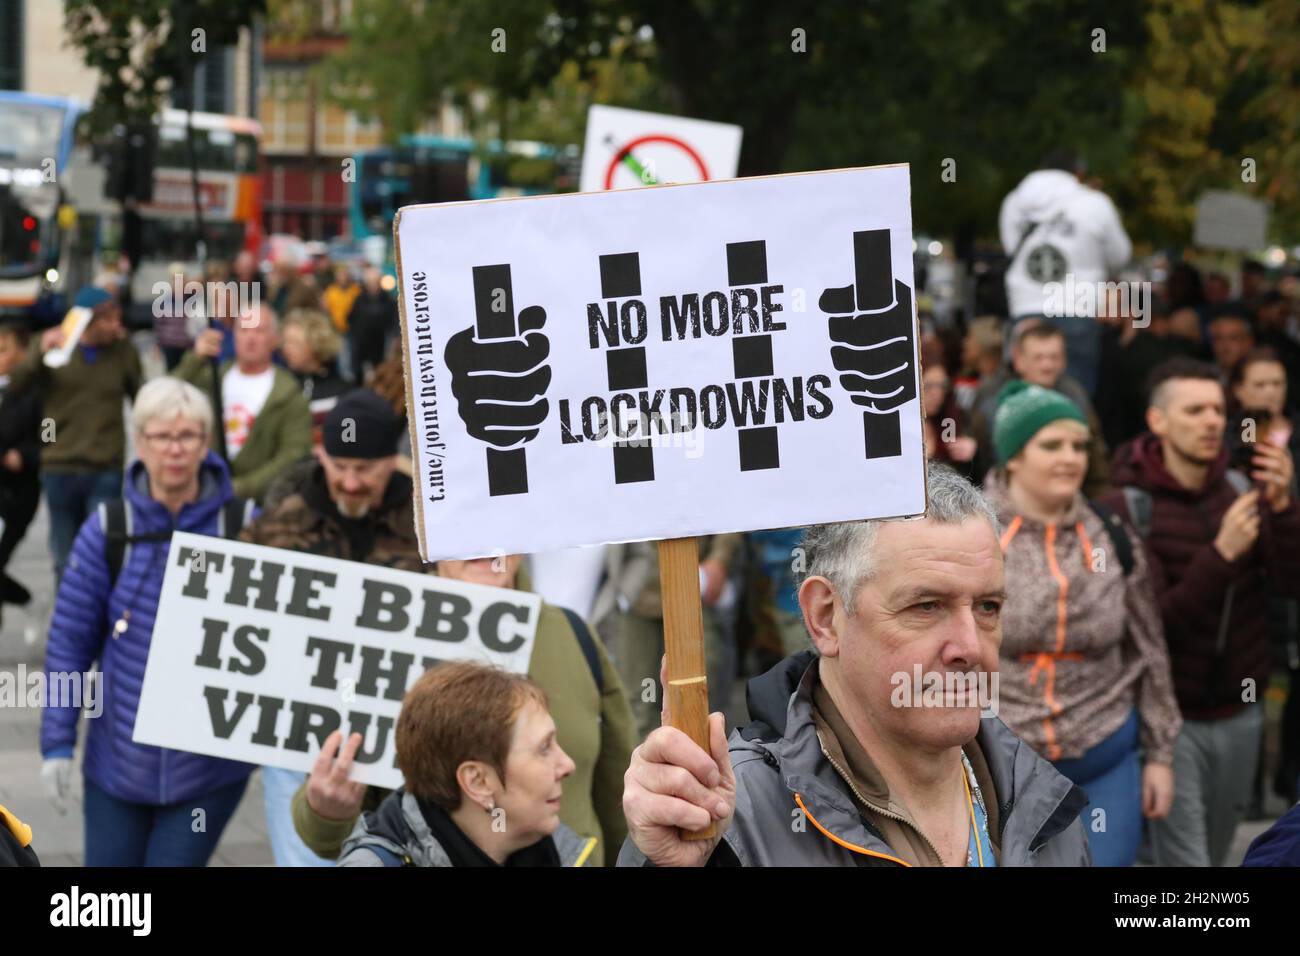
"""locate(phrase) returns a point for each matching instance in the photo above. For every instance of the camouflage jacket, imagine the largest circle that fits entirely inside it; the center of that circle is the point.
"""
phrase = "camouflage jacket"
(301, 516)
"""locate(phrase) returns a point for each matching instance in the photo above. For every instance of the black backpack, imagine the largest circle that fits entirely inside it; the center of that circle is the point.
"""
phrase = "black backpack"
(115, 519)
(1139, 503)
(588, 644)
(1140, 507)
(1118, 535)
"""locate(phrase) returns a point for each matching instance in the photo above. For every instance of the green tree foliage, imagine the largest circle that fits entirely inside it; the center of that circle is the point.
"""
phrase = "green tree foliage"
(142, 48)
(1164, 97)
(1274, 112)
(1198, 74)
(406, 59)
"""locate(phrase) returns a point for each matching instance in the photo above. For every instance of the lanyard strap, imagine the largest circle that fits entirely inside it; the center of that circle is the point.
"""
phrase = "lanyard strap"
(979, 851)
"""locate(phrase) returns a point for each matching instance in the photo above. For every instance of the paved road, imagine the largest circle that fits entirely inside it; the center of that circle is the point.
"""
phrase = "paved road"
(58, 840)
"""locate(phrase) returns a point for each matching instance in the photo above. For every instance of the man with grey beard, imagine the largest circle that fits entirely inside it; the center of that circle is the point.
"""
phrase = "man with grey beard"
(352, 504)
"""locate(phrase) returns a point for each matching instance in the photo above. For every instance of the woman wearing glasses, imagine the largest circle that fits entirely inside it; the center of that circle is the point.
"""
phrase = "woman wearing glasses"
(141, 802)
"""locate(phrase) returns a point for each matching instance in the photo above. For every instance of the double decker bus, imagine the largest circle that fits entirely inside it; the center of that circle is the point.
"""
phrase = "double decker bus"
(58, 226)
(424, 169)
(37, 136)
(228, 155)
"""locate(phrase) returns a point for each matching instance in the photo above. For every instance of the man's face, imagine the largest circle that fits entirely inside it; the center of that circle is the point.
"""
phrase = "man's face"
(357, 485)
(935, 602)
(245, 266)
(11, 353)
(1252, 283)
(1190, 420)
(1272, 315)
(1216, 289)
(255, 340)
(1040, 360)
(105, 327)
(1230, 339)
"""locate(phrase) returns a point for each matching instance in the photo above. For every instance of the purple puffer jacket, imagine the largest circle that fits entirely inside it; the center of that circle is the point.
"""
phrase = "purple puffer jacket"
(81, 633)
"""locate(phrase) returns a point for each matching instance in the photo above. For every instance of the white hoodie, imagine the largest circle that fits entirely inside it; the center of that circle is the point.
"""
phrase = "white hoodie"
(1079, 233)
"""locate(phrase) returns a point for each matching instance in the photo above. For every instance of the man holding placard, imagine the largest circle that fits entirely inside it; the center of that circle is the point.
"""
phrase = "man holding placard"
(83, 369)
(838, 768)
(628, 380)
(779, 330)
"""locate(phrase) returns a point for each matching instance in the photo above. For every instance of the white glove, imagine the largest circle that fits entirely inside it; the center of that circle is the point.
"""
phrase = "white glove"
(56, 778)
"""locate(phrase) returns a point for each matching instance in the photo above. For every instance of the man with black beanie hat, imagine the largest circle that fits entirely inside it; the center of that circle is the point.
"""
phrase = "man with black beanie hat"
(352, 504)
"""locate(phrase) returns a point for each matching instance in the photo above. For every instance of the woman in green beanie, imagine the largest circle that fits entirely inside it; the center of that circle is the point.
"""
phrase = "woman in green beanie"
(1084, 673)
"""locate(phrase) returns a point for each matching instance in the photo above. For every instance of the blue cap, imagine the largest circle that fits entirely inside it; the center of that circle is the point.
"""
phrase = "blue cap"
(91, 296)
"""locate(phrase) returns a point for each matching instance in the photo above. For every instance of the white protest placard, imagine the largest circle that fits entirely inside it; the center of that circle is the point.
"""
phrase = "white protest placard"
(258, 654)
(1228, 220)
(74, 323)
(626, 148)
(662, 362)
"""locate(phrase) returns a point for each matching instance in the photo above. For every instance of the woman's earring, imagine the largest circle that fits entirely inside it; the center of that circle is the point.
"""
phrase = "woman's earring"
(491, 806)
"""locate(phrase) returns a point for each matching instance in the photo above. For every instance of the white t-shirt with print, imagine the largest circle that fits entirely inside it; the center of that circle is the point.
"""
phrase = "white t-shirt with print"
(243, 397)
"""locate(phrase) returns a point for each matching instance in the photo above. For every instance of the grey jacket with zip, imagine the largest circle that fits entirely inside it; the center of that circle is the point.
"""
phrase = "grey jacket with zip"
(399, 827)
(778, 758)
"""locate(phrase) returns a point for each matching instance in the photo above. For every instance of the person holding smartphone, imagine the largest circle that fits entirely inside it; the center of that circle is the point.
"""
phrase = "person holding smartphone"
(1221, 543)
(1257, 388)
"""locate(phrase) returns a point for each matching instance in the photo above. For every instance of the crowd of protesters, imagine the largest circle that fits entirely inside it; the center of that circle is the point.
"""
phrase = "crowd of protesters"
(1141, 460)
(1113, 500)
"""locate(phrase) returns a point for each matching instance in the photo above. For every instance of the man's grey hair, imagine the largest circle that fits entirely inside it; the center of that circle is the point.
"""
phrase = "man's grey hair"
(262, 309)
(843, 552)
(165, 398)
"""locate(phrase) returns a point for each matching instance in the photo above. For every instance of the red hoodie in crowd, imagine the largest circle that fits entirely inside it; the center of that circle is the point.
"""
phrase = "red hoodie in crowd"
(1215, 612)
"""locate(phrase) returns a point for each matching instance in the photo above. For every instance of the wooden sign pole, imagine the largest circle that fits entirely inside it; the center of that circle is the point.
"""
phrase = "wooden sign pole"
(686, 690)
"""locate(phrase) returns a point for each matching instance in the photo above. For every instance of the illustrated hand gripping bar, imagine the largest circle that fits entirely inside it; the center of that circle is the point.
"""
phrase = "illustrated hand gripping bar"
(875, 350)
(499, 377)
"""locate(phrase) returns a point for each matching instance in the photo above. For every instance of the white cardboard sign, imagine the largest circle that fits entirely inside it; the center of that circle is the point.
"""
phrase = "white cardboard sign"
(661, 362)
(626, 148)
(258, 653)
(1228, 220)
